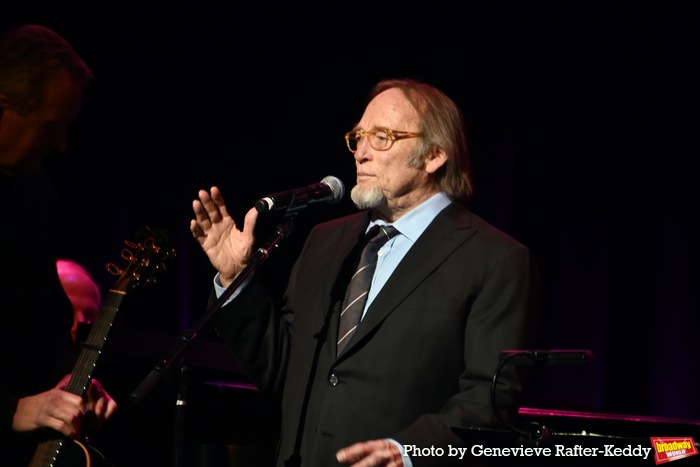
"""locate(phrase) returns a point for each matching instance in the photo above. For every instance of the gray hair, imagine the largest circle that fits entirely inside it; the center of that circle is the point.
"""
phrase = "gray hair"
(442, 126)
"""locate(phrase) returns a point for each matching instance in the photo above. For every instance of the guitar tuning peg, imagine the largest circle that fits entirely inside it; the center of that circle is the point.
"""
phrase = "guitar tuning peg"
(113, 269)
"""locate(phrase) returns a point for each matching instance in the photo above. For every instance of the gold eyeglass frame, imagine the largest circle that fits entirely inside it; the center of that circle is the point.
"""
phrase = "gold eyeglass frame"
(393, 136)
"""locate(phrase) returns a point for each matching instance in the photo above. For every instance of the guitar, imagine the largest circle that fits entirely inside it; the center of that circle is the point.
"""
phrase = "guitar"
(144, 258)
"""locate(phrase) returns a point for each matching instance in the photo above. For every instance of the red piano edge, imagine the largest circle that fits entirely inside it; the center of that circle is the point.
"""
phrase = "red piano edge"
(542, 412)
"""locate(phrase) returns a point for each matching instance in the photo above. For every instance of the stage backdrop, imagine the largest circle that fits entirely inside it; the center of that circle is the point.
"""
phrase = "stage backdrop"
(582, 127)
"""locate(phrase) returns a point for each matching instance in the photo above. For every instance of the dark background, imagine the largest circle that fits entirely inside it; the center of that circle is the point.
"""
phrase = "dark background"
(582, 126)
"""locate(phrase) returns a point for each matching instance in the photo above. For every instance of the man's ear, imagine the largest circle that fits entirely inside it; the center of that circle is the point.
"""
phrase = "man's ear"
(435, 159)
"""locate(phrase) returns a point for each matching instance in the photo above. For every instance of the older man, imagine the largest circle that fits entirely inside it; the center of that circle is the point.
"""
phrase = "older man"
(448, 294)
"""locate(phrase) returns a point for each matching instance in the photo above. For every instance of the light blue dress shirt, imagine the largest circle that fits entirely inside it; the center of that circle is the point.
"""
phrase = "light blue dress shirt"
(411, 226)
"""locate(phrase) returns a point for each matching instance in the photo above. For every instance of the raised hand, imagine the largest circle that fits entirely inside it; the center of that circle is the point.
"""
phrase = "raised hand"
(227, 247)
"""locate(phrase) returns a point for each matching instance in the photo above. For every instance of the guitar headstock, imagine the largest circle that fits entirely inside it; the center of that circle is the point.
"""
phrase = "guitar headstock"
(146, 257)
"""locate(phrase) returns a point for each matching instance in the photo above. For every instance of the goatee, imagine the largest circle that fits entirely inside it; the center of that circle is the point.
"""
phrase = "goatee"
(367, 198)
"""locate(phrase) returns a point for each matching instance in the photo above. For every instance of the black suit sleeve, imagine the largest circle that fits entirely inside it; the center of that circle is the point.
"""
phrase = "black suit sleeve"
(501, 317)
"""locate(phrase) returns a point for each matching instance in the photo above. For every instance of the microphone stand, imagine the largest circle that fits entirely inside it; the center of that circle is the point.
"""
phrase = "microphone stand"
(535, 434)
(175, 356)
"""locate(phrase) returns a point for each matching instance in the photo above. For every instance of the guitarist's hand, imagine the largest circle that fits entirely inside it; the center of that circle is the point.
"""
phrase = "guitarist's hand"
(100, 403)
(228, 247)
(57, 409)
(61, 410)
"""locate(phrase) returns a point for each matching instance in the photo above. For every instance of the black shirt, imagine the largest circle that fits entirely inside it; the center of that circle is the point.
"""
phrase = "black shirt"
(36, 349)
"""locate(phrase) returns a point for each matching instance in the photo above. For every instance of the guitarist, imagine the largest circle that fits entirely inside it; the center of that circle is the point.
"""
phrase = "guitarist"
(41, 85)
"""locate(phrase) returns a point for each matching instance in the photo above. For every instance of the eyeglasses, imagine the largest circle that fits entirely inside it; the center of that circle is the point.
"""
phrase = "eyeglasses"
(381, 139)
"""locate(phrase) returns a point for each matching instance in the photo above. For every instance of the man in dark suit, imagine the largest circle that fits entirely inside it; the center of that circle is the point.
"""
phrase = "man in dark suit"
(449, 293)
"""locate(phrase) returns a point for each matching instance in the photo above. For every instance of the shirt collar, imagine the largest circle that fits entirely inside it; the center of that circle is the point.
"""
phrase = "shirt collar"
(413, 223)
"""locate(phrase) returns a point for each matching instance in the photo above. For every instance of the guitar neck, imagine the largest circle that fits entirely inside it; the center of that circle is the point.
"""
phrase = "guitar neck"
(47, 451)
(92, 349)
(144, 258)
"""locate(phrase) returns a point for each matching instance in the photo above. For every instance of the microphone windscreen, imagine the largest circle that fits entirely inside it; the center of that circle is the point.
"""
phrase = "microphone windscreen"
(336, 186)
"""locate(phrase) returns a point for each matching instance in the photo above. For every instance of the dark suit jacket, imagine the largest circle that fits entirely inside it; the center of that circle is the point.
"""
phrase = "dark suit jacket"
(422, 360)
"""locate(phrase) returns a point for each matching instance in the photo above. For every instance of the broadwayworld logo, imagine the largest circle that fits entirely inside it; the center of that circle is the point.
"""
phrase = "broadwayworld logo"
(672, 449)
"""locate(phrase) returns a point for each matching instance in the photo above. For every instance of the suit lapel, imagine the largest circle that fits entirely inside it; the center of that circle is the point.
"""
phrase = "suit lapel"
(450, 229)
(335, 284)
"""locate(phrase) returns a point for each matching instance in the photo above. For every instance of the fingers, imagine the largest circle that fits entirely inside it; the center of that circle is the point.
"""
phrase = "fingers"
(101, 403)
(209, 209)
(64, 382)
(371, 453)
(64, 412)
(111, 408)
(249, 222)
(204, 208)
(218, 200)
(57, 409)
(61, 410)
(196, 230)
(213, 204)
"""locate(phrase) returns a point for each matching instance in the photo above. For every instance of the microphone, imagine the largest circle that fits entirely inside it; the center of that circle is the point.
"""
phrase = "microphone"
(329, 190)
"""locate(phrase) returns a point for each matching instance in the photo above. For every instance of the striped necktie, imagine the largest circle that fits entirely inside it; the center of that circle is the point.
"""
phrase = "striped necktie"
(356, 295)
